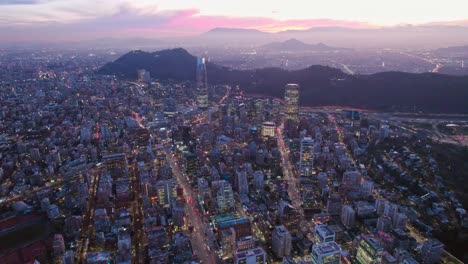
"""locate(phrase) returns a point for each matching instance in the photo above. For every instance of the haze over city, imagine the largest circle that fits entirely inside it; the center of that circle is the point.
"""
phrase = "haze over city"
(239, 132)
(62, 20)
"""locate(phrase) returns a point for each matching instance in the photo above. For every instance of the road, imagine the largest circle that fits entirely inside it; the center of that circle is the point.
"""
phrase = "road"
(198, 238)
(288, 173)
(87, 224)
(139, 236)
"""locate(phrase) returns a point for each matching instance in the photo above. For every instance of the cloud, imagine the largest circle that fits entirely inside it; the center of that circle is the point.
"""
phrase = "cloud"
(69, 23)
(191, 22)
(21, 2)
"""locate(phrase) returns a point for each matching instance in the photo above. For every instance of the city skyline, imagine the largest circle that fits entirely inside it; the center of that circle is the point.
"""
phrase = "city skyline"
(54, 20)
(233, 132)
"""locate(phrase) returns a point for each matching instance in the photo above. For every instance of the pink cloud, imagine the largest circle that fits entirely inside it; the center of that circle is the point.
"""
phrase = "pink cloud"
(191, 22)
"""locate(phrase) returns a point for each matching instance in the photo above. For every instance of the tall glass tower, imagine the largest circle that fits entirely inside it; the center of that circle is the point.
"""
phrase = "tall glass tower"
(291, 102)
(306, 162)
(202, 84)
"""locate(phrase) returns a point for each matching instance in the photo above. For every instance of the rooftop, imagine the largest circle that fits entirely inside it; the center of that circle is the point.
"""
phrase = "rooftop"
(326, 248)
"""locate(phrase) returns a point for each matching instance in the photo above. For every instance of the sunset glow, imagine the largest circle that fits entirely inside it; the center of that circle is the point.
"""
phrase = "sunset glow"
(43, 19)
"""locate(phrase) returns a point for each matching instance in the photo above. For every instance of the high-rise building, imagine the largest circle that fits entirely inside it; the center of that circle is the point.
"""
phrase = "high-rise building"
(58, 245)
(101, 220)
(351, 180)
(68, 257)
(390, 210)
(241, 225)
(191, 164)
(380, 204)
(241, 182)
(202, 84)
(384, 223)
(259, 180)
(281, 241)
(251, 256)
(326, 253)
(432, 251)
(323, 234)
(369, 251)
(334, 204)
(367, 188)
(268, 129)
(291, 101)
(228, 242)
(167, 192)
(400, 220)
(306, 161)
(348, 216)
(100, 257)
(384, 131)
(222, 190)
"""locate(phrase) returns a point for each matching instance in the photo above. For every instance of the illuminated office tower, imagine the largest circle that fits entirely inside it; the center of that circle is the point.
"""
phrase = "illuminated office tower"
(326, 253)
(369, 251)
(202, 84)
(291, 102)
(306, 161)
(228, 242)
(268, 129)
(222, 190)
(167, 192)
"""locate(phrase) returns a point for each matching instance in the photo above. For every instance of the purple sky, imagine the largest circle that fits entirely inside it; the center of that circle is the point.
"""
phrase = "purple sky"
(63, 20)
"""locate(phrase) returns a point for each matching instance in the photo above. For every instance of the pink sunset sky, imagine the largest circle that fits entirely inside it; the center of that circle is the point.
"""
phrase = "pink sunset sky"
(46, 20)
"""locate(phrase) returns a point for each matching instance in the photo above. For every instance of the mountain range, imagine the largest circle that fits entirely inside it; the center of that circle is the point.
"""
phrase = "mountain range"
(405, 36)
(294, 45)
(320, 85)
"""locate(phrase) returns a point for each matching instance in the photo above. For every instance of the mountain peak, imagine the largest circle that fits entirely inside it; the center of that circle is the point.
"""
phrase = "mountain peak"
(293, 41)
(233, 30)
(293, 45)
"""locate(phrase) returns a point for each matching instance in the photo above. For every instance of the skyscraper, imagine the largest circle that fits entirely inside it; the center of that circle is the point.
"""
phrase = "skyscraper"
(291, 102)
(306, 161)
(242, 183)
(167, 192)
(323, 234)
(222, 190)
(326, 253)
(281, 241)
(202, 84)
(369, 251)
(431, 251)
(348, 216)
(268, 129)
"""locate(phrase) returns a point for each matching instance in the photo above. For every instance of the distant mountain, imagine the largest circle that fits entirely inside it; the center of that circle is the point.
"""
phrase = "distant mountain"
(320, 85)
(407, 36)
(454, 50)
(234, 31)
(229, 36)
(294, 45)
